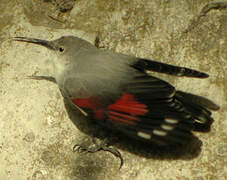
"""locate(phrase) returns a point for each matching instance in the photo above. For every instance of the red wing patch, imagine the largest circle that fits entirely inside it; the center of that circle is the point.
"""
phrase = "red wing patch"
(128, 104)
(125, 110)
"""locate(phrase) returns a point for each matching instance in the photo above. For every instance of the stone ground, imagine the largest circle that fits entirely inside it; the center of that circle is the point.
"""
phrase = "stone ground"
(37, 134)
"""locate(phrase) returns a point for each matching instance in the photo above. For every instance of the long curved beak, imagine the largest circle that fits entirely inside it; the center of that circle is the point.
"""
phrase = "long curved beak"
(47, 44)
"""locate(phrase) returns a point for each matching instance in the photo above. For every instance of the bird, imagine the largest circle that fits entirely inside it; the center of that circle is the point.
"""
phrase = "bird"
(118, 92)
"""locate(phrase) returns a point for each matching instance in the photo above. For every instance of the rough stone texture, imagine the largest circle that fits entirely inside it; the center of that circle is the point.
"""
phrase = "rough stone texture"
(62, 5)
(36, 133)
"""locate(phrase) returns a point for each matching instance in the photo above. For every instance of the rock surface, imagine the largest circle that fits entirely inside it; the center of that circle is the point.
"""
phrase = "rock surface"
(37, 135)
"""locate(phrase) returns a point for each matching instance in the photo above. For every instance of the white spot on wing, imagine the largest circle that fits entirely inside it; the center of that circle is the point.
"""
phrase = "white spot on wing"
(144, 135)
(187, 116)
(171, 121)
(167, 127)
(159, 132)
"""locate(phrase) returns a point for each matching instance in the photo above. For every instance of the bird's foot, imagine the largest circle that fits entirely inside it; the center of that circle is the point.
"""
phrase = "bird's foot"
(103, 146)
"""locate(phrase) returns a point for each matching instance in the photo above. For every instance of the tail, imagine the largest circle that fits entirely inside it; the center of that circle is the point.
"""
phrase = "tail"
(199, 107)
(149, 65)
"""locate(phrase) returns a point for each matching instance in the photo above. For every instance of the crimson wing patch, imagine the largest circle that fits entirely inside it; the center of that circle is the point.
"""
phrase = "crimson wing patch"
(150, 110)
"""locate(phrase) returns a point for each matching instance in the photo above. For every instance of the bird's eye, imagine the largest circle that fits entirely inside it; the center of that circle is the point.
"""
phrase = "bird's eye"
(61, 49)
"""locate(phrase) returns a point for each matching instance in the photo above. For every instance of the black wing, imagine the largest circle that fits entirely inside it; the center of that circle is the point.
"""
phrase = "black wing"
(150, 109)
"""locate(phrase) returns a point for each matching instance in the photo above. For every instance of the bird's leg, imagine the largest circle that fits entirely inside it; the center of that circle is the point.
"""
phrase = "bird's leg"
(103, 146)
(48, 78)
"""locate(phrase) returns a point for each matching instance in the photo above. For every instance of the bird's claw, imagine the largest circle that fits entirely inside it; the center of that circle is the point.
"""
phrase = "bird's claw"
(80, 148)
